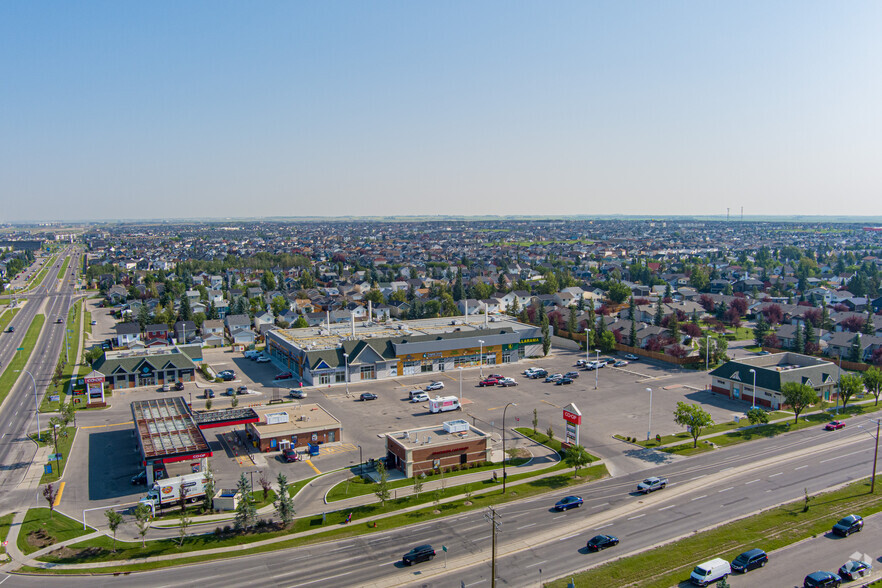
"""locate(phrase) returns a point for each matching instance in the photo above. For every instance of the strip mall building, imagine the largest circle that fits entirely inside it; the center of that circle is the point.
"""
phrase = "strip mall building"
(335, 353)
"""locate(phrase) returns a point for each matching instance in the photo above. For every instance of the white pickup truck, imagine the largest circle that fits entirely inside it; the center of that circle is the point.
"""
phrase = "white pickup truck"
(651, 484)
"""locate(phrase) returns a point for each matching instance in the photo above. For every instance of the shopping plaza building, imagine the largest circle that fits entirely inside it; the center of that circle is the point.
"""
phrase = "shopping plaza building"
(354, 352)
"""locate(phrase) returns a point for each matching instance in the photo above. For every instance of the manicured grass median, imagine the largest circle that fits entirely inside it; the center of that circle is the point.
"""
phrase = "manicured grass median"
(362, 519)
(6, 318)
(5, 523)
(39, 530)
(20, 359)
(67, 359)
(65, 441)
(671, 564)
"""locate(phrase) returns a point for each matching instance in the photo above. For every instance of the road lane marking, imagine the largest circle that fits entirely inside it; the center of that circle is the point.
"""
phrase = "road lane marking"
(751, 482)
(667, 507)
(569, 537)
(309, 462)
(599, 505)
(800, 467)
(58, 496)
(328, 578)
(841, 456)
(725, 489)
(782, 473)
(695, 478)
(603, 526)
(558, 517)
(532, 565)
(525, 526)
(636, 516)
(113, 425)
(699, 497)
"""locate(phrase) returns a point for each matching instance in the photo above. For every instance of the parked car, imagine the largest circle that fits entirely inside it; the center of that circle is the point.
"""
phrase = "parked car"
(631, 357)
(421, 397)
(599, 542)
(418, 554)
(242, 390)
(562, 381)
(368, 396)
(854, 569)
(608, 361)
(209, 393)
(834, 425)
(620, 363)
(227, 375)
(848, 525)
(299, 394)
(94, 322)
(58, 321)
(750, 560)
(434, 386)
(415, 392)
(139, 478)
(230, 392)
(263, 359)
(290, 455)
(571, 375)
(568, 503)
(710, 571)
(821, 580)
(165, 388)
(179, 386)
(283, 376)
(506, 382)
(581, 362)
(590, 367)
(553, 377)
(488, 382)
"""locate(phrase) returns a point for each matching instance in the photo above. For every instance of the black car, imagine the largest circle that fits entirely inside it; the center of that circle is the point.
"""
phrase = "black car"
(571, 375)
(821, 580)
(599, 542)
(750, 560)
(227, 375)
(848, 525)
(139, 478)
(563, 381)
(209, 393)
(418, 554)
(368, 396)
(179, 385)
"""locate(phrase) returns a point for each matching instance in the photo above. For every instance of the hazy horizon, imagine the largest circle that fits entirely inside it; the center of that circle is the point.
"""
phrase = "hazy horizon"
(226, 110)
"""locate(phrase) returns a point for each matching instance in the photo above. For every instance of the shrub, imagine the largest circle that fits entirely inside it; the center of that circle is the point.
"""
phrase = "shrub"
(227, 529)
(218, 531)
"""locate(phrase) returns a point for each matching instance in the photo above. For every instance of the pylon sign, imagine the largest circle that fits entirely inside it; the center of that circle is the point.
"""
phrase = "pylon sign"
(572, 422)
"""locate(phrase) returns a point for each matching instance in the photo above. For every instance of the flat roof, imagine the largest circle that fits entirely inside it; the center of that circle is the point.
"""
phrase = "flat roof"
(321, 337)
(225, 417)
(782, 361)
(302, 418)
(433, 436)
(167, 429)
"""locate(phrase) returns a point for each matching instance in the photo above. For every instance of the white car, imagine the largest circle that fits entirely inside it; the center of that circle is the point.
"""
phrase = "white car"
(422, 397)
(434, 386)
(263, 359)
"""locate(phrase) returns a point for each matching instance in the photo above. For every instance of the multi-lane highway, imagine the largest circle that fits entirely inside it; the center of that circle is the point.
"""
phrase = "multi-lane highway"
(703, 491)
(52, 298)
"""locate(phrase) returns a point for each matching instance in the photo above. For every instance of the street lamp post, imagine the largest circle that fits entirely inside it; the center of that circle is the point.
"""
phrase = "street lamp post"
(649, 432)
(596, 368)
(481, 357)
(55, 437)
(753, 403)
(503, 444)
(360, 462)
(460, 385)
(346, 371)
(587, 347)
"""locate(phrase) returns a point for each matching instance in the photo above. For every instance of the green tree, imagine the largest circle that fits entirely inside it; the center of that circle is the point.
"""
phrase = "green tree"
(799, 341)
(49, 493)
(607, 342)
(185, 311)
(631, 309)
(699, 278)
(300, 323)
(571, 321)
(418, 484)
(632, 336)
(694, 418)
(382, 491)
(142, 520)
(576, 457)
(234, 402)
(618, 292)
(659, 313)
(546, 337)
(850, 385)
(284, 504)
(183, 524)
(208, 499)
(246, 514)
(535, 420)
(798, 396)
(854, 352)
(757, 416)
(268, 281)
(114, 520)
(873, 382)
(375, 296)
(761, 330)
(278, 305)
(869, 328)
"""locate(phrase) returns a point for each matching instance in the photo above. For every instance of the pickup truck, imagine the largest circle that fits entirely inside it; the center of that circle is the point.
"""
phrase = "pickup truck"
(651, 484)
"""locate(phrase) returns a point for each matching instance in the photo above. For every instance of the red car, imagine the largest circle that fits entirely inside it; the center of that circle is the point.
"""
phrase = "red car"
(488, 382)
(284, 376)
(833, 425)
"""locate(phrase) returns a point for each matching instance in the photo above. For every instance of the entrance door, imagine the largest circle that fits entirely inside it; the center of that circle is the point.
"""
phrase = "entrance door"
(736, 392)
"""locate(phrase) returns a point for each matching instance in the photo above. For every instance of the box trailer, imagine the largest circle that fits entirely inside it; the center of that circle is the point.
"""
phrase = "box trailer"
(444, 403)
(168, 491)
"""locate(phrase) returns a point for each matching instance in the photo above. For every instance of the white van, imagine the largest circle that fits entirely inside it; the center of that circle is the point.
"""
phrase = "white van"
(710, 571)
(443, 404)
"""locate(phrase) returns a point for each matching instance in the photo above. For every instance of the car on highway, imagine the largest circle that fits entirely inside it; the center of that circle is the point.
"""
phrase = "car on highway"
(568, 503)
(283, 376)
(418, 554)
(599, 542)
(652, 484)
(434, 386)
(488, 382)
(821, 579)
(58, 321)
(299, 394)
(834, 426)
(854, 569)
(631, 357)
(750, 560)
(11, 329)
(368, 396)
(553, 377)
(620, 363)
(848, 525)
(209, 393)
(421, 397)
(263, 359)
(563, 381)
(506, 382)
(179, 386)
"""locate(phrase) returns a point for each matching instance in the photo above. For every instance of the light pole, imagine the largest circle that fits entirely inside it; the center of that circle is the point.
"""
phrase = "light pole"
(481, 357)
(707, 352)
(596, 368)
(346, 371)
(753, 403)
(55, 437)
(360, 462)
(503, 443)
(587, 347)
(875, 453)
(649, 432)
(36, 405)
(460, 385)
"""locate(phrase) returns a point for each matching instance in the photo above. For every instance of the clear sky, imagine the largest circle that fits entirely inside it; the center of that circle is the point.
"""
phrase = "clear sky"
(214, 109)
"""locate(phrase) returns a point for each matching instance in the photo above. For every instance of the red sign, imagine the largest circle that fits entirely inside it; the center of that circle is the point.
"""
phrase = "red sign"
(186, 457)
(576, 419)
(97, 380)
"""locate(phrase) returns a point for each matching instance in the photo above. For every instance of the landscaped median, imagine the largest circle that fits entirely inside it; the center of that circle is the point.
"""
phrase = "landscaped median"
(6, 318)
(66, 364)
(13, 370)
(307, 530)
(42, 528)
(65, 437)
(669, 565)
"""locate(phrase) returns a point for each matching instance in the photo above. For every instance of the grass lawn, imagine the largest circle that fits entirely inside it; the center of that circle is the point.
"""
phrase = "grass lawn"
(69, 368)
(719, 428)
(6, 318)
(87, 324)
(9, 377)
(5, 523)
(174, 513)
(671, 564)
(358, 486)
(64, 444)
(47, 531)
(361, 516)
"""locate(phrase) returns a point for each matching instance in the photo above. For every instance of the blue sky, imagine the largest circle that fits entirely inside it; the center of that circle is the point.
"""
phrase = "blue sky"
(214, 109)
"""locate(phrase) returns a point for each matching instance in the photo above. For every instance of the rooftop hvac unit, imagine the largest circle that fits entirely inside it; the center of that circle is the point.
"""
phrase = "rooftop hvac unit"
(457, 426)
(276, 418)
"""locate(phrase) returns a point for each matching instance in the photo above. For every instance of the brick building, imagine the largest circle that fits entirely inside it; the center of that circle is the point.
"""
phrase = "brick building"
(453, 443)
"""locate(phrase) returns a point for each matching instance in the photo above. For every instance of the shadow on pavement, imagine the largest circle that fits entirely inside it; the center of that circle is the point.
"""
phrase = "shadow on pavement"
(113, 460)
(649, 456)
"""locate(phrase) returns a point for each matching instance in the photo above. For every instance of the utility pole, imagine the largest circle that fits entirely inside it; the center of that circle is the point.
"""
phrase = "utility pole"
(495, 521)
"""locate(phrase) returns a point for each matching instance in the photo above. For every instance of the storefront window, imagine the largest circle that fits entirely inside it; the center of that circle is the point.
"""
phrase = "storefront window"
(368, 372)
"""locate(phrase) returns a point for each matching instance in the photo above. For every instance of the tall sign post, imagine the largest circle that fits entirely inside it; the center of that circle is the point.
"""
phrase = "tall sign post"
(573, 419)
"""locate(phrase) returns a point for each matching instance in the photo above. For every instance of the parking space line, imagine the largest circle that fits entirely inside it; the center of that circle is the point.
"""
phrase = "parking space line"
(309, 462)
(101, 426)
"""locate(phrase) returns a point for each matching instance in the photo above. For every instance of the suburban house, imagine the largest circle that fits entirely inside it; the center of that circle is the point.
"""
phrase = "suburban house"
(156, 334)
(127, 333)
(185, 331)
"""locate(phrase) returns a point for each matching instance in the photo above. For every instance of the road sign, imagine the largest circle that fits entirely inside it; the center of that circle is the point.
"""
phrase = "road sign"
(444, 548)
